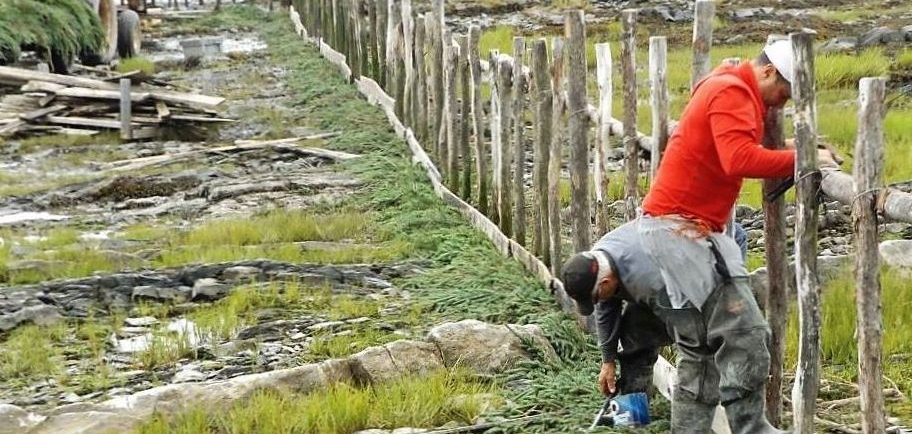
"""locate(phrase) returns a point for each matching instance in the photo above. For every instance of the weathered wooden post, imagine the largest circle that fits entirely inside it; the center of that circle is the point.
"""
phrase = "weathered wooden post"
(429, 59)
(603, 138)
(631, 145)
(126, 110)
(481, 151)
(495, 121)
(435, 34)
(356, 44)
(804, 393)
(705, 10)
(408, 68)
(575, 32)
(519, 149)
(465, 119)
(451, 109)
(658, 81)
(420, 99)
(554, 162)
(505, 94)
(382, 8)
(776, 304)
(373, 41)
(541, 92)
(868, 171)
(394, 55)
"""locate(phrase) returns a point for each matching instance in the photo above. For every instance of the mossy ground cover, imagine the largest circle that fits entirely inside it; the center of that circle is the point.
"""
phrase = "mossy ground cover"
(69, 26)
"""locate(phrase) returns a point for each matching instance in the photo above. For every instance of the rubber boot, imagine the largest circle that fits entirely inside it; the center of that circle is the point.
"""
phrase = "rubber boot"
(748, 416)
(691, 417)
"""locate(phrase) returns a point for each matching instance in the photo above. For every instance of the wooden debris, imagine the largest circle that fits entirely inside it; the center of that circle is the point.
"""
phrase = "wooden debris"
(94, 103)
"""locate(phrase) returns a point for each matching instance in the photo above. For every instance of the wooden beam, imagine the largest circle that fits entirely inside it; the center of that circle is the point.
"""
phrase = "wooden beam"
(542, 100)
(555, 159)
(658, 80)
(604, 73)
(114, 95)
(85, 122)
(704, 12)
(518, 142)
(632, 149)
(40, 113)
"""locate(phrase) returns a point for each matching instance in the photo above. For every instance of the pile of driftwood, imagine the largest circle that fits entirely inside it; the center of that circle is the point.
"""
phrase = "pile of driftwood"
(48, 103)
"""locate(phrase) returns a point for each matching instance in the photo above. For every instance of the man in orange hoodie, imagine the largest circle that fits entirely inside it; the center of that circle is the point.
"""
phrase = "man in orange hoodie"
(720, 333)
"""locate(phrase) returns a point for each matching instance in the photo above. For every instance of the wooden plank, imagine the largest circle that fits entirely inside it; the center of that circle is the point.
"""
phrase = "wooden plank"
(481, 151)
(554, 161)
(542, 99)
(705, 10)
(188, 99)
(40, 113)
(628, 65)
(25, 76)
(578, 124)
(76, 132)
(658, 80)
(807, 377)
(604, 73)
(518, 142)
(162, 110)
(42, 86)
(869, 180)
(11, 128)
(85, 122)
(193, 118)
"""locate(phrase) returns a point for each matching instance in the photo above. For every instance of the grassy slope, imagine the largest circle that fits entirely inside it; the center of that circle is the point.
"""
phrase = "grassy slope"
(467, 278)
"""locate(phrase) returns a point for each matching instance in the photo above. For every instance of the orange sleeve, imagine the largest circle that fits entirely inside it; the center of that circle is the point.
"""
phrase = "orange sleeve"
(732, 119)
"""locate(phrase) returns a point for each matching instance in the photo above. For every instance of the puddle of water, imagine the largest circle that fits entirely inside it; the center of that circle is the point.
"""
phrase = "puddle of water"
(171, 50)
(27, 216)
(183, 327)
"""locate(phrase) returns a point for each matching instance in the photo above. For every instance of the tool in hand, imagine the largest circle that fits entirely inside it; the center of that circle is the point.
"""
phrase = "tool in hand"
(790, 181)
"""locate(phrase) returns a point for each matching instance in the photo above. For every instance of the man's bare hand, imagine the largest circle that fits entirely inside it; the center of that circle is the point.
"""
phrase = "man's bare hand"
(826, 159)
(607, 379)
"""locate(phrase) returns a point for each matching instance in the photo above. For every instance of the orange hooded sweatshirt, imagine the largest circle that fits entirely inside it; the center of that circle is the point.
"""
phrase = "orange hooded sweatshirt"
(715, 146)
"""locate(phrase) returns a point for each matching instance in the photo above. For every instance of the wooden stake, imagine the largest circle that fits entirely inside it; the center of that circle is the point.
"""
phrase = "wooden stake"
(628, 64)
(394, 56)
(505, 104)
(481, 151)
(421, 96)
(658, 49)
(382, 24)
(603, 138)
(451, 108)
(776, 303)
(408, 56)
(541, 92)
(519, 151)
(496, 140)
(126, 110)
(435, 34)
(575, 32)
(554, 162)
(804, 392)
(702, 40)
(465, 118)
(868, 171)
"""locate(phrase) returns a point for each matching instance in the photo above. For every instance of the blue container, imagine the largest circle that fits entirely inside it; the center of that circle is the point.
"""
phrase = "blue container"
(630, 410)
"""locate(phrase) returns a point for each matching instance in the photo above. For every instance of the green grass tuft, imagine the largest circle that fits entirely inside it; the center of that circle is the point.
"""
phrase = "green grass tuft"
(29, 353)
(141, 64)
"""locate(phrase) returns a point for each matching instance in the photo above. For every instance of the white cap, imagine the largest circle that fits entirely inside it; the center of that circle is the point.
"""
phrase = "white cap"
(780, 55)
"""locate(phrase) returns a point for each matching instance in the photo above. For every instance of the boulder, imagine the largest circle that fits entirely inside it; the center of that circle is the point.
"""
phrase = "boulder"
(881, 35)
(88, 422)
(208, 289)
(487, 348)
(14, 420)
(907, 31)
(394, 360)
(42, 315)
(897, 253)
(158, 294)
(240, 273)
(839, 45)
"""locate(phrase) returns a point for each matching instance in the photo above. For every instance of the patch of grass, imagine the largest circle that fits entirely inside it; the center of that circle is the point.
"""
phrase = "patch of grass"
(36, 143)
(165, 349)
(29, 352)
(838, 316)
(141, 64)
(230, 17)
(755, 260)
(279, 226)
(328, 346)
(844, 70)
(416, 402)
(145, 232)
(347, 307)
